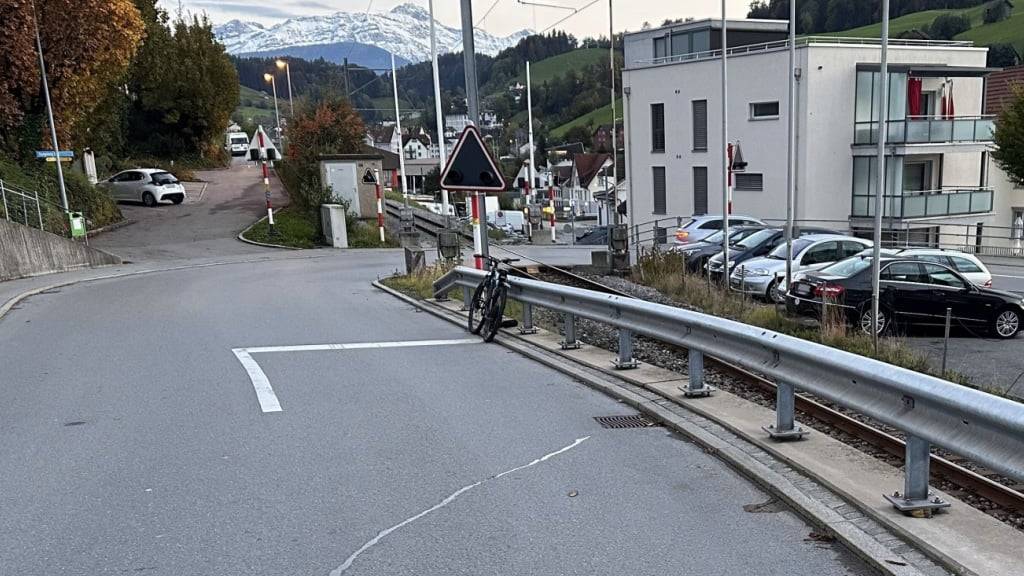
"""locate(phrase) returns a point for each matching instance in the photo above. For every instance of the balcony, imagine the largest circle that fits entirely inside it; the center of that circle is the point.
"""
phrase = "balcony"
(927, 204)
(928, 130)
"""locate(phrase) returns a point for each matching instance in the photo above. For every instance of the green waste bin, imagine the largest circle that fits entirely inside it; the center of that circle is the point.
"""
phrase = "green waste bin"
(77, 224)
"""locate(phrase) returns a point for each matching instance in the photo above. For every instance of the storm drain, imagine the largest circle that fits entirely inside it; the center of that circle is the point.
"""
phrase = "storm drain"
(627, 421)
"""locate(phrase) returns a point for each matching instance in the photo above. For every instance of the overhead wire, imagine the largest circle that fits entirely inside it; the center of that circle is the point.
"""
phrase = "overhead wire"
(575, 12)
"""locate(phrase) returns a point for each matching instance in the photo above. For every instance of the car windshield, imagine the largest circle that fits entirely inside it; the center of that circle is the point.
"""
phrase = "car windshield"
(799, 244)
(687, 223)
(164, 178)
(756, 239)
(849, 267)
(239, 140)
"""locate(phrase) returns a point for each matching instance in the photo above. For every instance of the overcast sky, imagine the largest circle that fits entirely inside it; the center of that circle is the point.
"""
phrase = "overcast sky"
(507, 16)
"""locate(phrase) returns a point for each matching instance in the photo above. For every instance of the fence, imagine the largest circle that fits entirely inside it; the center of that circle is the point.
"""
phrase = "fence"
(982, 427)
(28, 208)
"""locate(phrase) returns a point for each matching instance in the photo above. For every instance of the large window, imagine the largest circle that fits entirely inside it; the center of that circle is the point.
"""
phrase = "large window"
(764, 110)
(700, 125)
(657, 127)
(866, 109)
(749, 182)
(660, 47)
(700, 190)
(658, 175)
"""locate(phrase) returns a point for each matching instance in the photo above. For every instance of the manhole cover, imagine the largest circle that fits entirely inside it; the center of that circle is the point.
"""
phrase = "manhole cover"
(627, 421)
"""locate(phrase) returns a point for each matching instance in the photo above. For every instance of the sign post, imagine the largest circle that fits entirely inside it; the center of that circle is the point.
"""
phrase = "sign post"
(471, 169)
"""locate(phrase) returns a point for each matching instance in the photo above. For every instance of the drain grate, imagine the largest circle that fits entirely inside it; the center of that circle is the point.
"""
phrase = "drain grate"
(627, 421)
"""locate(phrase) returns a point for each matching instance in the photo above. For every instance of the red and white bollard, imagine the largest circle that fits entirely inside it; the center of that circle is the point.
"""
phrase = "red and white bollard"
(266, 181)
(551, 204)
(380, 205)
(478, 247)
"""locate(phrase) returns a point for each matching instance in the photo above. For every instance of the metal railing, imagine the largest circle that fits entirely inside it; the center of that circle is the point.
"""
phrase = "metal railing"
(29, 208)
(927, 203)
(928, 130)
(982, 427)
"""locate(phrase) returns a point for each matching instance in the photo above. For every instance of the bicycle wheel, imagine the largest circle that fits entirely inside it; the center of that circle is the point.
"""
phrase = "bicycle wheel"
(495, 313)
(477, 310)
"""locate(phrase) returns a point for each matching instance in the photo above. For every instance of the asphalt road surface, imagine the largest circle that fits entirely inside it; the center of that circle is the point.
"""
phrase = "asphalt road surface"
(199, 421)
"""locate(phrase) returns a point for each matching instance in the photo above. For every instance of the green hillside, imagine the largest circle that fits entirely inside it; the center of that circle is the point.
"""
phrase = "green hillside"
(553, 67)
(254, 107)
(600, 116)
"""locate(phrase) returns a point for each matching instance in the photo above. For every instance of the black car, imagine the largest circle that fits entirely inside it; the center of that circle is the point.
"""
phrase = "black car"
(758, 244)
(595, 236)
(697, 254)
(911, 292)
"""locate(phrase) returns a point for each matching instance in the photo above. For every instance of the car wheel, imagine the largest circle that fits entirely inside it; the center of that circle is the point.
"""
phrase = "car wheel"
(1006, 323)
(775, 295)
(148, 199)
(883, 320)
(177, 200)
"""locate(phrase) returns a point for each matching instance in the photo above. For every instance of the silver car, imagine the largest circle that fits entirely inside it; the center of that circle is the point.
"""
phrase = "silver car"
(760, 277)
(697, 228)
(147, 185)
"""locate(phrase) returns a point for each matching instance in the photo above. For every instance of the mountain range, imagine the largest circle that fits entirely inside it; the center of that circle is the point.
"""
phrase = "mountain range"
(365, 38)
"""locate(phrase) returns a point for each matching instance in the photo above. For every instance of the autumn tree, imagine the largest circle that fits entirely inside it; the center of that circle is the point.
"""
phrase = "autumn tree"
(87, 46)
(1009, 138)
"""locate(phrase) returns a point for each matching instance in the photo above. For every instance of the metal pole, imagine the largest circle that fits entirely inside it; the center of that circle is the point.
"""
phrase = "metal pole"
(3, 194)
(277, 114)
(469, 60)
(39, 211)
(625, 360)
(291, 104)
(529, 116)
(49, 115)
(785, 404)
(791, 143)
(883, 115)
(695, 388)
(629, 159)
(570, 342)
(478, 248)
(945, 341)
(348, 93)
(615, 144)
(437, 107)
(527, 327)
(398, 126)
(266, 181)
(725, 148)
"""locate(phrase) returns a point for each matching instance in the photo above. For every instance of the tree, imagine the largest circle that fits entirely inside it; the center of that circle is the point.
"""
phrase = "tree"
(332, 127)
(1009, 138)
(87, 46)
(1001, 55)
(946, 26)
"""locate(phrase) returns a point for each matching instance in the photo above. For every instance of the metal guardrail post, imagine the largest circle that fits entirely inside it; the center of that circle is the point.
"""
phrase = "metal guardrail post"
(570, 342)
(467, 297)
(39, 211)
(916, 499)
(24, 208)
(527, 327)
(625, 359)
(3, 193)
(695, 366)
(785, 404)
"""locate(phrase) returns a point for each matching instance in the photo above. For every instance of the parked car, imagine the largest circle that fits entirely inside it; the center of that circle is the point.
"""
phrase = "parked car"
(910, 292)
(237, 143)
(755, 245)
(760, 276)
(597, 235)
(147, 185)
(698, 228)
(696, 254)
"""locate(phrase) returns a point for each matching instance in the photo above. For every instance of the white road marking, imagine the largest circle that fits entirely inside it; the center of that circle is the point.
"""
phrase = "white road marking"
(1007, 276)
(264, 392)
(451, 497)
(362, 345)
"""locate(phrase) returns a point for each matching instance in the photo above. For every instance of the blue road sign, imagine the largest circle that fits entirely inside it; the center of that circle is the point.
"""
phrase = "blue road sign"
(50, 154)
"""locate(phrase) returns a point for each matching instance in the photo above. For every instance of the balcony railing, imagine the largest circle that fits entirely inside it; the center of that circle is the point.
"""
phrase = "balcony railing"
(928, 130)
(927, 204)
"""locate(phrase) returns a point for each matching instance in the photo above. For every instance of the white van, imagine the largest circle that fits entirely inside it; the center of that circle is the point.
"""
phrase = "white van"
(237, 143)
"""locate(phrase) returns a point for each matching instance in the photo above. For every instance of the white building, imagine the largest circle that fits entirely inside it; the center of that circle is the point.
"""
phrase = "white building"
(935, 165)
(417, 146)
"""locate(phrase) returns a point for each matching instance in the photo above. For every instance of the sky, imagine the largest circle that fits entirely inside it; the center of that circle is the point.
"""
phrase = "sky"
(507, 16)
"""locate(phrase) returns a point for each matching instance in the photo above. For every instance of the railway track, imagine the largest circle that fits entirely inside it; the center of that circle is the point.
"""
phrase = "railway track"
(424, 221)
(950, 468)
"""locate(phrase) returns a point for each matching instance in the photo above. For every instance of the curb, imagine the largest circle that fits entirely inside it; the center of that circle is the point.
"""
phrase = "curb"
(111, 227)
(811, 510)
(241, 236)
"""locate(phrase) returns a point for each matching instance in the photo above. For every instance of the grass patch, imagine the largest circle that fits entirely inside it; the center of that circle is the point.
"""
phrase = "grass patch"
(292, 229)
(420, 286)
(396, 196)
(555, 66)
(666, 272)
(365, 235)
(602, 115)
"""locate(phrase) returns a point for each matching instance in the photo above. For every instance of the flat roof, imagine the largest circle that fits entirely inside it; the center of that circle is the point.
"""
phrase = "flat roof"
(735, 25)
(930, 70)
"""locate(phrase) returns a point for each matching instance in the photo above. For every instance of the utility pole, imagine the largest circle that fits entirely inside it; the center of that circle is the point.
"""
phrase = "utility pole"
(273, 84)
(883, 116)
(49, 115)
(725, 149)
(469, 60)
(615, 146)
(529, 116)
(288, 72)
(437, 106)
(791, 145)
(348, 93)
(398, 126)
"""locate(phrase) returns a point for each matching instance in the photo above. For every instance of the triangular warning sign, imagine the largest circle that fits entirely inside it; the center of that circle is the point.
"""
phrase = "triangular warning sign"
(262, 149)
(368, 177)
(470, 166)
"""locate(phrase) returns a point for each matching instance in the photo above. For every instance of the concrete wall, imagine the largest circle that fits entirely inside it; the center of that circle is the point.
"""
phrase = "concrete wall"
(26, 251)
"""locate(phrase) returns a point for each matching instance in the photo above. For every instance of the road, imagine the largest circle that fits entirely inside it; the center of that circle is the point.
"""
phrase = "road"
(137, 440)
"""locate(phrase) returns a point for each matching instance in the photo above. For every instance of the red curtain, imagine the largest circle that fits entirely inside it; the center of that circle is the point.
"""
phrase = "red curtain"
(914, 96)
(950, 112)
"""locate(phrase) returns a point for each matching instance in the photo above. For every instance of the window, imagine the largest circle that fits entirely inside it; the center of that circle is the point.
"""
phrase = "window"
(700, 125)
(850, 248)
(942, 276)
(700, 190)
(711, 225)
(764, 110)
(680, 43)
(657, 127)
(903, 272)
(660, 50)
(964, 265)
(749, 182)
(658, 175)
(824, 252)
(701, 41)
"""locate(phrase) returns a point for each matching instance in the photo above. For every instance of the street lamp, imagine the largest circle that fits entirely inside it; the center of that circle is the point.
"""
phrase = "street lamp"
(270, 78)
(283, 65)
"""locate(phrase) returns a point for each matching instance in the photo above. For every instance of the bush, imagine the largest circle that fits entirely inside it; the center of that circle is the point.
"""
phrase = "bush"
(947, 26)
(997, 11)
(1002, 55)
(99, 209)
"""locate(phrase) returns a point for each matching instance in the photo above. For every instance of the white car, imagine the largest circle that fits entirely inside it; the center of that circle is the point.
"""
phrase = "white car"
(761, 277)
(697, 228)
(147, 185)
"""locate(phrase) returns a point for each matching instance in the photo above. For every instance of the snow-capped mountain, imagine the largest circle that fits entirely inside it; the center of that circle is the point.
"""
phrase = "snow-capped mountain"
(405, 31)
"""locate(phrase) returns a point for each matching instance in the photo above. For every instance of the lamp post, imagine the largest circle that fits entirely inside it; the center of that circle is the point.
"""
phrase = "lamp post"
(270, 78)
(49, 115)
(283, 65)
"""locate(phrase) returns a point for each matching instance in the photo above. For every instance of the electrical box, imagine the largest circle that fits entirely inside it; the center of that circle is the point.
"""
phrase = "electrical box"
(334, 227)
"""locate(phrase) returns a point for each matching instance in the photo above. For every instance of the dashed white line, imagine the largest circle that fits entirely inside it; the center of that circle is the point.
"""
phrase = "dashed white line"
(451, 497)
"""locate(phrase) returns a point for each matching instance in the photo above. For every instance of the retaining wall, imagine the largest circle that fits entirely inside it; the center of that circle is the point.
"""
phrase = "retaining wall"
(26, 251)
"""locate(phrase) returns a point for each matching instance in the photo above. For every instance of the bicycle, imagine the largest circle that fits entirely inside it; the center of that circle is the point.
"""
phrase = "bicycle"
(487, 307)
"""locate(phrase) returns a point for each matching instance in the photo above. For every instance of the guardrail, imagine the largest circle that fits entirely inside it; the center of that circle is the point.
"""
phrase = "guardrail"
(984, 428)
